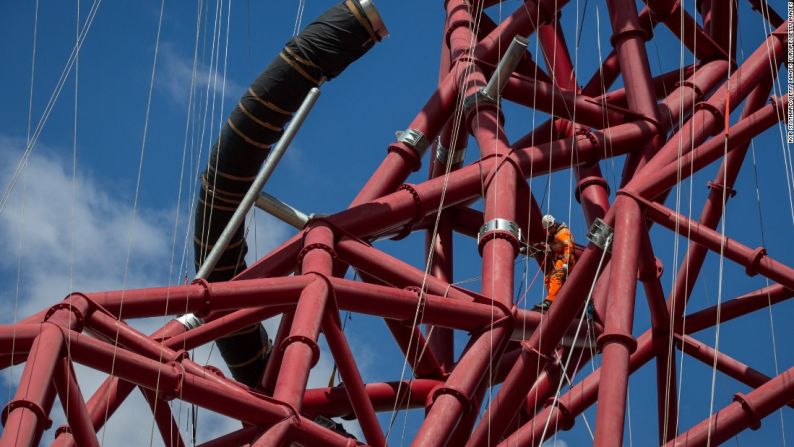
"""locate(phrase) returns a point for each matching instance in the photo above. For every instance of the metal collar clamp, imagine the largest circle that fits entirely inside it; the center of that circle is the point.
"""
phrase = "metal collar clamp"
(493, 227)
(190, 321)
(413, 138)
(442, 154)
(601, 234)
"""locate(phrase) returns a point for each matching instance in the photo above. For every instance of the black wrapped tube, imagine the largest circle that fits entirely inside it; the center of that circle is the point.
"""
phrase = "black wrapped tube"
(322, 51)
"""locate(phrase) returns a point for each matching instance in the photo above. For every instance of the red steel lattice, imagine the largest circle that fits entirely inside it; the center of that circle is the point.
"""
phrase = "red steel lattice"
(644, 127)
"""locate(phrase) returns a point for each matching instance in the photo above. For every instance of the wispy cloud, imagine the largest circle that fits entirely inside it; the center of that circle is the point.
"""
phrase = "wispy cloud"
(65, 241)
(176, 77)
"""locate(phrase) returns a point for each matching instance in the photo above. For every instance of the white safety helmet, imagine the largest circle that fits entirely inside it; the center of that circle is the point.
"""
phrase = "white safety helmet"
(548, 221)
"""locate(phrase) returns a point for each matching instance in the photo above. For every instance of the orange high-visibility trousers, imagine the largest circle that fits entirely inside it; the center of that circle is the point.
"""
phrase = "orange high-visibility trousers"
(555, 279)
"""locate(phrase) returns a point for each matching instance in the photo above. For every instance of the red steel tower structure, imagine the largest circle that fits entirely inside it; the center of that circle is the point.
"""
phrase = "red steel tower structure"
(667, 127)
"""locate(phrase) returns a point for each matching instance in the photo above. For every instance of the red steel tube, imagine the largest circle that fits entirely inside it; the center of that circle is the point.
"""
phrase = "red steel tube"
(300, 349)
(667, 399)
(736, 307)
(746, 411)
(25, 417)
(617, 342)
(334, 402)
(723, 362)
(709, 117)
(73, 404)
(573, 402)
(537, 350)
(356, 391)
(168, 427)
(754, 260)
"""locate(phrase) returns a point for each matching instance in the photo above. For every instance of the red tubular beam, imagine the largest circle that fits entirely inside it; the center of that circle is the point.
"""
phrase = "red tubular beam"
(17, 339)
(754, 260)
(739, 135)
(709, 116)
(73, 404)
(402, 158)
(616, 343)
(168, 427)
(628, 38)
(592, 191)
(202, 297)
(451, 400)
(279, 262)
(25, 417)
(334, 402)
(573, 402)
(300, 350)
(522, 22)
(694, 37)
(356, 391)
(242, 436)
(712, 210)
(411, 341)
(724, 363)
(666, 397)
(223, 325)
(414, 346)
(564, 104)
(737, 307)
(268, 382)
(537, 350)
(392, 271)
(745, 412)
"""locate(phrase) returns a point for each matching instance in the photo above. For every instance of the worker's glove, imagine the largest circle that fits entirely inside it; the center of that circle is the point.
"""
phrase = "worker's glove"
(564, 269)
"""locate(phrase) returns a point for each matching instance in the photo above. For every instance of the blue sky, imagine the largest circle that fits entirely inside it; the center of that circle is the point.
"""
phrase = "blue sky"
(62, 232)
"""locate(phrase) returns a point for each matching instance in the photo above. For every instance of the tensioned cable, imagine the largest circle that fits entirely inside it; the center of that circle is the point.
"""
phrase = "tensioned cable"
(194, 152)
(72, 220)
(582, 318)
(133, 214)
(22, 163)
(24, 193)
(724, 200)
(178, 207)
(455, 133)
(775, 81)
(676, 239)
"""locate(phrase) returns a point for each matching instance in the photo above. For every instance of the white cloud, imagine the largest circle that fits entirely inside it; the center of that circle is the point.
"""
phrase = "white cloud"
(45, 216)
(176, 73)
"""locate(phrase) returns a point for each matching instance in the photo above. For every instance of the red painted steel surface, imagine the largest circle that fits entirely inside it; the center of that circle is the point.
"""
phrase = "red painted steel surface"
(524, 347)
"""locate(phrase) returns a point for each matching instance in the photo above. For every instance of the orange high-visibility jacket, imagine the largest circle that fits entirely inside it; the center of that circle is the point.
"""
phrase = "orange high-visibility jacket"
(562, 245)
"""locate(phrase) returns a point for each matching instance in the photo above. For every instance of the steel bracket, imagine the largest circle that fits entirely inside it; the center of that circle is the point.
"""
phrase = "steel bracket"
(601, 234)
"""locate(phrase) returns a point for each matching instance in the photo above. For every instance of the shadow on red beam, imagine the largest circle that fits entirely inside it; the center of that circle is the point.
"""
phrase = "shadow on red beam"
(333, 402)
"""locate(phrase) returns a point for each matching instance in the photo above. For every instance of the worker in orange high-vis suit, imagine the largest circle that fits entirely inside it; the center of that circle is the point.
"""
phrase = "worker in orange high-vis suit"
(559, 258)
